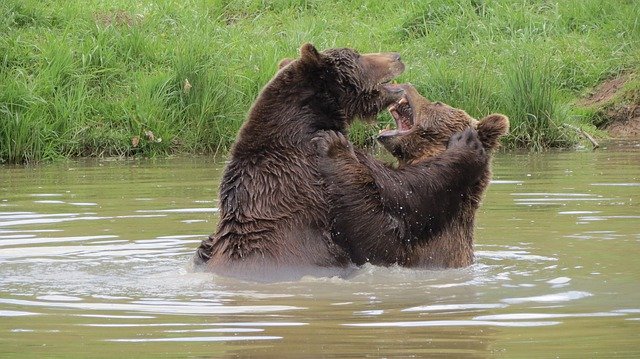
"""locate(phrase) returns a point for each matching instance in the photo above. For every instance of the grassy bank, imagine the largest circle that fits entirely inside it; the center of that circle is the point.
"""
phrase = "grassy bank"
(154, 77)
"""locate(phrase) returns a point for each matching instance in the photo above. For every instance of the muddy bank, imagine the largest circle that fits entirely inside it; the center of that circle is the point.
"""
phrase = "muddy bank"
(624, 121)
(617, 106)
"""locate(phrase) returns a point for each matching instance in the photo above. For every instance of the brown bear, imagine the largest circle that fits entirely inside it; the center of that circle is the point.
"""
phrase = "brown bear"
(273, 208)
(420, 214)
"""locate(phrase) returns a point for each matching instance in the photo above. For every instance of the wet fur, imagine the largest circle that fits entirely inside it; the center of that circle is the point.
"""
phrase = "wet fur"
(420, 214)
(453, 246)
(273, 207)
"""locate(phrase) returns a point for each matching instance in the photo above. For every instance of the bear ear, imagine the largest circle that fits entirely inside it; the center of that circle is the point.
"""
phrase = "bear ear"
(284, 62)
(309, 54)
(498, 123)
(491, 128)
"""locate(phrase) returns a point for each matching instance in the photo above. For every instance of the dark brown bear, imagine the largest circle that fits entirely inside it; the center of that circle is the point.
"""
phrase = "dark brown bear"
(274, 220)
(420, 214)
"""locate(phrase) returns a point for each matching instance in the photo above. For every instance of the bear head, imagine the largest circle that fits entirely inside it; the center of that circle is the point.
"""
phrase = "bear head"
(424, 127)
(358, 85)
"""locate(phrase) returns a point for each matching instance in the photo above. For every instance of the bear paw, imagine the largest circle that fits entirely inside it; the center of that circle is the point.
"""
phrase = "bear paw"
(467, 139)
(332, 143)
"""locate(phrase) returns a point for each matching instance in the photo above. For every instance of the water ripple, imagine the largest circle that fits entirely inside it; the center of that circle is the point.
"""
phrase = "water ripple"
(182, 308)
(517, 255)
(453, 307)
(41, 240)
(529, 316)
(15, 313)
(629, 184)
(550, 298)
(451, 323)
(179, 210)
(195, 339)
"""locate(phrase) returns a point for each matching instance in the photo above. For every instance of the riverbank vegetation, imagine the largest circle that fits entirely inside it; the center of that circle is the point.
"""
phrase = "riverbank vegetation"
(122, 78)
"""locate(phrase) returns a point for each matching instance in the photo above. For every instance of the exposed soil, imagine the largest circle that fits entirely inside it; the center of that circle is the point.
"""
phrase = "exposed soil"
(625, 121)
(605, 91)
(621, 120)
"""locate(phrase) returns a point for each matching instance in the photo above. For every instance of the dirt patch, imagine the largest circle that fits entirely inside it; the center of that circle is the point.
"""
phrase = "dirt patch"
(624, 121)
(605, 91)
(619, 111)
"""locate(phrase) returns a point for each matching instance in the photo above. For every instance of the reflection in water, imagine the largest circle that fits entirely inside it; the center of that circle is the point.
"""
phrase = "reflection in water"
(156, 307)
(454, 323)
(97, 253)
(196, 339)
(550, 298)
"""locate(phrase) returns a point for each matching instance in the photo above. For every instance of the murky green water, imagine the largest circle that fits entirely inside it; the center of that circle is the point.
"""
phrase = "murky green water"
(93, 264)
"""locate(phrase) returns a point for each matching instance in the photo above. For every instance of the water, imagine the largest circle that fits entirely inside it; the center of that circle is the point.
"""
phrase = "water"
(93, 262)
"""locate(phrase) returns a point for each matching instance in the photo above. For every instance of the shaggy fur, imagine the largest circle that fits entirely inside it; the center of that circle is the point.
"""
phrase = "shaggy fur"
(273, 208)
(420, 214)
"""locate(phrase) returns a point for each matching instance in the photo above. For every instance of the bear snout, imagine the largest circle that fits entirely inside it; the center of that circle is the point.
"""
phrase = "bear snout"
(395, 56)
(383, 66)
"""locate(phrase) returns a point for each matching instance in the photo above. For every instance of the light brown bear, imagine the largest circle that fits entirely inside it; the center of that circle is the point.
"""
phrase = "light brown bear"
(420, 213)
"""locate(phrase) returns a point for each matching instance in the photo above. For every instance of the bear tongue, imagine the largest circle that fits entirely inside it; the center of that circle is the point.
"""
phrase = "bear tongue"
(405, 124)
(386, 132)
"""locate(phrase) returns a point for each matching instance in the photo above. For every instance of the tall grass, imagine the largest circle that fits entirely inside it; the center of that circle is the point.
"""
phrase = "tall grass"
(532, 105)
(121, 78)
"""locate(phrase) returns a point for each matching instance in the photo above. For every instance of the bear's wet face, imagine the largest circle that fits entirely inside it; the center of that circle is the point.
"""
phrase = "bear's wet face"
(359, 83)
(423, 128)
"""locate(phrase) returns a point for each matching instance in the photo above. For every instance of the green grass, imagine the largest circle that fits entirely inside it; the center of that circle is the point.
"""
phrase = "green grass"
(107, 78)
(529, 89)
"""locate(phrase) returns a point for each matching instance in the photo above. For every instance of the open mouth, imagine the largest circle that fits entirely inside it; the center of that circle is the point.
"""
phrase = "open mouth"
(402, 113)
